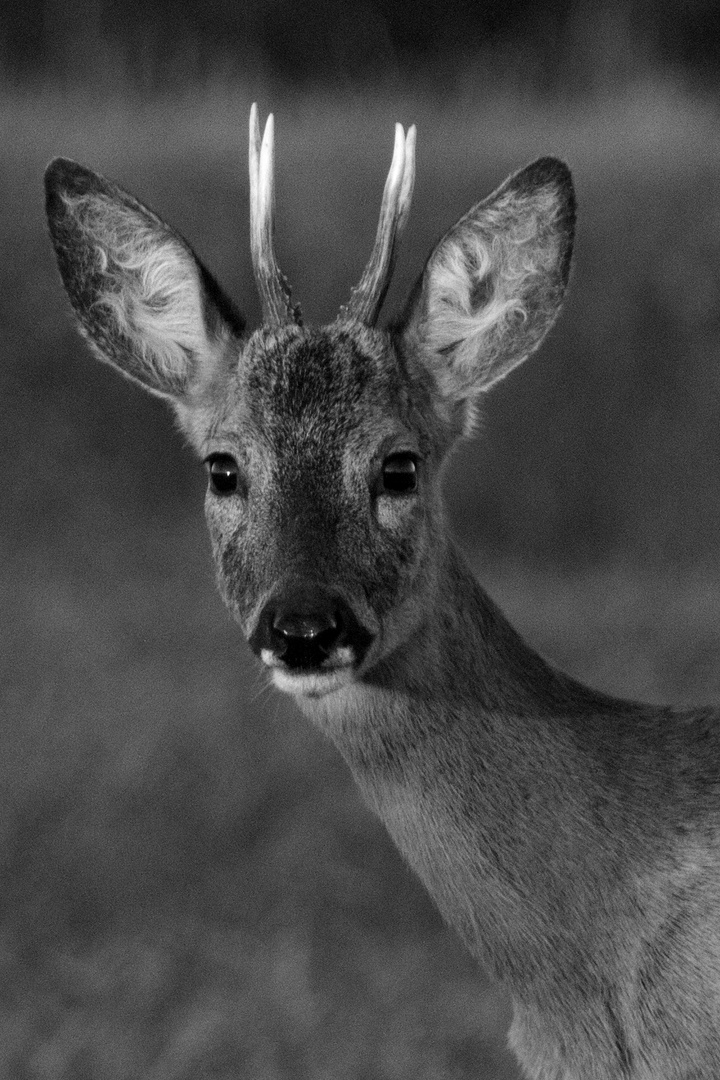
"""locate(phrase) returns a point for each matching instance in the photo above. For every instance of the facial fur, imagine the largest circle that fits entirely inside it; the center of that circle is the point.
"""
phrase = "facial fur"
(310, 416)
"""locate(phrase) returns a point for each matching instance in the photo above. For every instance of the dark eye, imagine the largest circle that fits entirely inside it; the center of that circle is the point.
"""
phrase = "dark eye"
(399, 474)
(223, 473)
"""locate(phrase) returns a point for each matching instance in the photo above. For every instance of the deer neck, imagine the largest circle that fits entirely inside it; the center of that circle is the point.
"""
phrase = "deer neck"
(461, 673)
(462, 744)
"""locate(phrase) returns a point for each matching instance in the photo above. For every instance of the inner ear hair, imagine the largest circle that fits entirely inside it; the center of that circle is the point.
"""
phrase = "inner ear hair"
(142, 297)
(494, 284)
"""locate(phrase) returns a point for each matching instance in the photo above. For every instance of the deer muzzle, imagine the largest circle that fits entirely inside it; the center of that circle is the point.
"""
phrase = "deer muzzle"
(309, 629)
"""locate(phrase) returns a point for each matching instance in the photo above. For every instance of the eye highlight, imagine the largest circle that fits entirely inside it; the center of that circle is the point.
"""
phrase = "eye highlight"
(399, 475)
(223, 474)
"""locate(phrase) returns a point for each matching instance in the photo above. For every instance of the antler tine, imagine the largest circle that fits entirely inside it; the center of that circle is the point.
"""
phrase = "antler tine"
(367, 297)
(408, 183)
(271, 283)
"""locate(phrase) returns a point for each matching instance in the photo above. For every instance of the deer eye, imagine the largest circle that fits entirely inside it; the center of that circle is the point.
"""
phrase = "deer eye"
(223, 474)
(399, 474)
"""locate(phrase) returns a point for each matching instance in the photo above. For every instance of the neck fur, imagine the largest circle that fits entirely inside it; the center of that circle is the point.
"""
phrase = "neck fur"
(459, 742)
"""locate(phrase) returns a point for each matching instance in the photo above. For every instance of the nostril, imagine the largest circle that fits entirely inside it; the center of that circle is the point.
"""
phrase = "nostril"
(305, 639)
(309, 627)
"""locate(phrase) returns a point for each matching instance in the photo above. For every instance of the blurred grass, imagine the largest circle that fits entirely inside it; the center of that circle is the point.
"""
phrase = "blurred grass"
(191, 887)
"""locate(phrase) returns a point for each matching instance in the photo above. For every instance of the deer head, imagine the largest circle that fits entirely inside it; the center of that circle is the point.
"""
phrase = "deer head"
(323, 446)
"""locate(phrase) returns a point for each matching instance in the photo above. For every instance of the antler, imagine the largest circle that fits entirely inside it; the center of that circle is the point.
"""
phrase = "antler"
(271, 282)
(367, 297)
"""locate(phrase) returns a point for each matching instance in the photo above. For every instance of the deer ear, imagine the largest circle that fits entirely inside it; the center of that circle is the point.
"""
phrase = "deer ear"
(142, 298)
(493, 286)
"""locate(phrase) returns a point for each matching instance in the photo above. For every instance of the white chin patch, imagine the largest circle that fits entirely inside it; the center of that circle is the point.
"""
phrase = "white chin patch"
(306, 684)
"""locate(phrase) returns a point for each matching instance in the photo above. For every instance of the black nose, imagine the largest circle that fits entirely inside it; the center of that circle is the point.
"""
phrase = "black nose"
(303, 625)
(304, 638)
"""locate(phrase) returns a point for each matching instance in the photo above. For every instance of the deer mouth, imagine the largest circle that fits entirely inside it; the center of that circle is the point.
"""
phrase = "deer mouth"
(309, 681)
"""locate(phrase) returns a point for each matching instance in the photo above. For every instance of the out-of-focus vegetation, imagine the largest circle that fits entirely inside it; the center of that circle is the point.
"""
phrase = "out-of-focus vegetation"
(565, 47)
(190, 886)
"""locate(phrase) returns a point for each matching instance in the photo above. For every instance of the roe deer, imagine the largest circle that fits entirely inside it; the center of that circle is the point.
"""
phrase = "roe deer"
(572, 839)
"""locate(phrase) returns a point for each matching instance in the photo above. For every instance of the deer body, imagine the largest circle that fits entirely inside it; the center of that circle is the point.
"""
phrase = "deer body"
(571, 838)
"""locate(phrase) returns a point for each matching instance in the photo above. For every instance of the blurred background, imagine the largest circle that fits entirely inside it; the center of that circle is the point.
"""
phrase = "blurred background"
(190, 886)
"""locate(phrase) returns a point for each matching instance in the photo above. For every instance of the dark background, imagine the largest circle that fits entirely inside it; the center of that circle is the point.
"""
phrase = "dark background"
(190, 886)
(559, 47)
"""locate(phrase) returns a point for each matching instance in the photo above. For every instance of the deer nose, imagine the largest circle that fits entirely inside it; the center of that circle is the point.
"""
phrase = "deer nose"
(302, 626)
(299, 632)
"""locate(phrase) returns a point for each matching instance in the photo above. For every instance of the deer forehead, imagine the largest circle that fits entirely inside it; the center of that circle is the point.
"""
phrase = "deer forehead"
(323, 393)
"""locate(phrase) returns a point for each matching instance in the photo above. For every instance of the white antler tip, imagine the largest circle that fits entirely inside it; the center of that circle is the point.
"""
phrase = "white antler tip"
(398, 161)
(408, 181)
(254, 124)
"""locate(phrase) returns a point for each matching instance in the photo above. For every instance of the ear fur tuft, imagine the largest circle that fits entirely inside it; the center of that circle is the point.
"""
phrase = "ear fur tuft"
(494, 284)
(142, 298)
